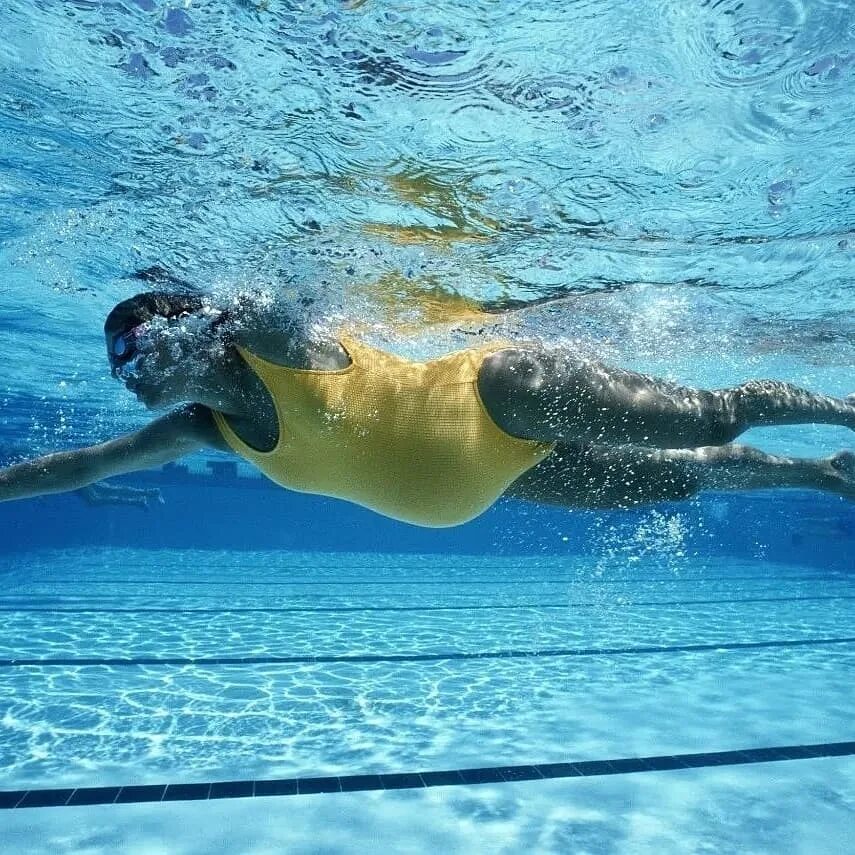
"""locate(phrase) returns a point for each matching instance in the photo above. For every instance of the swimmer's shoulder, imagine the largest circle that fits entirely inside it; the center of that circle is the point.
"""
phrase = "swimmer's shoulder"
(286, 341)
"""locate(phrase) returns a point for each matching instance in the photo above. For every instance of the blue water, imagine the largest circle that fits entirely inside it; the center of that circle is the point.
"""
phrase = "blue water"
(681, 171)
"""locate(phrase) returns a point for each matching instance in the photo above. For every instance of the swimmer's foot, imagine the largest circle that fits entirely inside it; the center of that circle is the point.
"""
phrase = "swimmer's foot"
(838, 474)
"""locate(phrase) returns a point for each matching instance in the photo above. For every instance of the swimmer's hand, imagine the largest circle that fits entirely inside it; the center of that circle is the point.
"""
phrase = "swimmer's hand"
(163, 440)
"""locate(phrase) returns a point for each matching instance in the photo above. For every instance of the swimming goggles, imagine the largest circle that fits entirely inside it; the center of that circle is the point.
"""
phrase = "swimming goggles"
(124, 346)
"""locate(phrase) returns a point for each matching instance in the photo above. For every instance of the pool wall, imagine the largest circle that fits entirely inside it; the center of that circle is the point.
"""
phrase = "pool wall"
(224, 510)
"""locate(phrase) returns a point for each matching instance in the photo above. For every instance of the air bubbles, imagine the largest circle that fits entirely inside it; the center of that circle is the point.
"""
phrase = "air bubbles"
(748, 41)
(620, 76)
(660, 537)
(780, 196)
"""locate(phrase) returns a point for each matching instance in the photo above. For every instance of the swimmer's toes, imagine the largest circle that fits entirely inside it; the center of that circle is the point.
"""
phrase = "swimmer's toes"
(844, 463)
(840, 474)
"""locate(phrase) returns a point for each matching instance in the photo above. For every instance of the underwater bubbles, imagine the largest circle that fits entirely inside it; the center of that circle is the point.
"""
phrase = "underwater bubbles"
(744, 42)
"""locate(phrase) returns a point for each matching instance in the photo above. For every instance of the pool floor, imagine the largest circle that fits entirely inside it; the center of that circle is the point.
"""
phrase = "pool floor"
(126, 668)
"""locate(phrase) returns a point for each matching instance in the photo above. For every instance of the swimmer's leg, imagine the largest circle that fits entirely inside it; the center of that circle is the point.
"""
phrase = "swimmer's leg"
(596, 476)
(547, 394)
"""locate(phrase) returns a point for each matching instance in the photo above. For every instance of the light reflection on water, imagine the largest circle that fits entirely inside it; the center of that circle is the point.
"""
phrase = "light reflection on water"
(389, 157)
(519, 146)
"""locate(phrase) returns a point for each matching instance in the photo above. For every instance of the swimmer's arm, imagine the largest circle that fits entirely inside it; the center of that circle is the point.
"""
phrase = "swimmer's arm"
(165, 439)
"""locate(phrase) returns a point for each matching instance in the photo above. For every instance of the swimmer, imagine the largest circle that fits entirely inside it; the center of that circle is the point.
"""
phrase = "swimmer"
(430, 443)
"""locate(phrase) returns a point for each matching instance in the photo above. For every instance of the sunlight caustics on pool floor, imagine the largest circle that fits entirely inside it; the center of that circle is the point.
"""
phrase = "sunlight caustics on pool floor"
(140, 676)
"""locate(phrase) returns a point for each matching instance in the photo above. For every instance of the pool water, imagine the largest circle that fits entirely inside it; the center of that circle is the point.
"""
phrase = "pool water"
(246, 670)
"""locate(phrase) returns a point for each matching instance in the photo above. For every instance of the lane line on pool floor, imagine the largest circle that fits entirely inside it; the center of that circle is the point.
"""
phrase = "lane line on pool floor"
(459, 608)
(370, 658)
(136, 794)
(381, 582)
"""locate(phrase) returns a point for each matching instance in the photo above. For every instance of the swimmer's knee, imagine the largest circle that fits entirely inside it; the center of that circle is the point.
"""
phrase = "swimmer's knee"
(751, 402)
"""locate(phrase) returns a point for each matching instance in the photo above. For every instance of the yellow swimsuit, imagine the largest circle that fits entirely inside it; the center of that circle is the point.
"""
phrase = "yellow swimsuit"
(411, 440)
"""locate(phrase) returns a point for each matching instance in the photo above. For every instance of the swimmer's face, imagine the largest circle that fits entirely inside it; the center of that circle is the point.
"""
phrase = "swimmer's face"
(156, 359)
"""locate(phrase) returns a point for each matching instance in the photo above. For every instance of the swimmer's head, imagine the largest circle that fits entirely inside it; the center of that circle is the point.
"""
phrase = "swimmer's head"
(159, 342)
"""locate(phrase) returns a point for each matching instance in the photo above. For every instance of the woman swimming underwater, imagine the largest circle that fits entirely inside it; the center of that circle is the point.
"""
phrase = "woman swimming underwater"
(431, 443)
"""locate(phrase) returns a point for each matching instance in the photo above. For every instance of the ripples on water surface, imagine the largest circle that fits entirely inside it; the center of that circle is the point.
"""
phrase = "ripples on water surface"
(381, 153)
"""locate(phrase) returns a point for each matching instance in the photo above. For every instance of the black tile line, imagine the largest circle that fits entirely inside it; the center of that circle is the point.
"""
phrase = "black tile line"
(299, 558)
(370, 658)
(461, 608)
(435, 563)
(80, 796)
(22, 595)
(191, 582)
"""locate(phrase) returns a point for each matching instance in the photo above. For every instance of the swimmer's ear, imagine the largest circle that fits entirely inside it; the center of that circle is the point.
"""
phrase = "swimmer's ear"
(162, 277)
